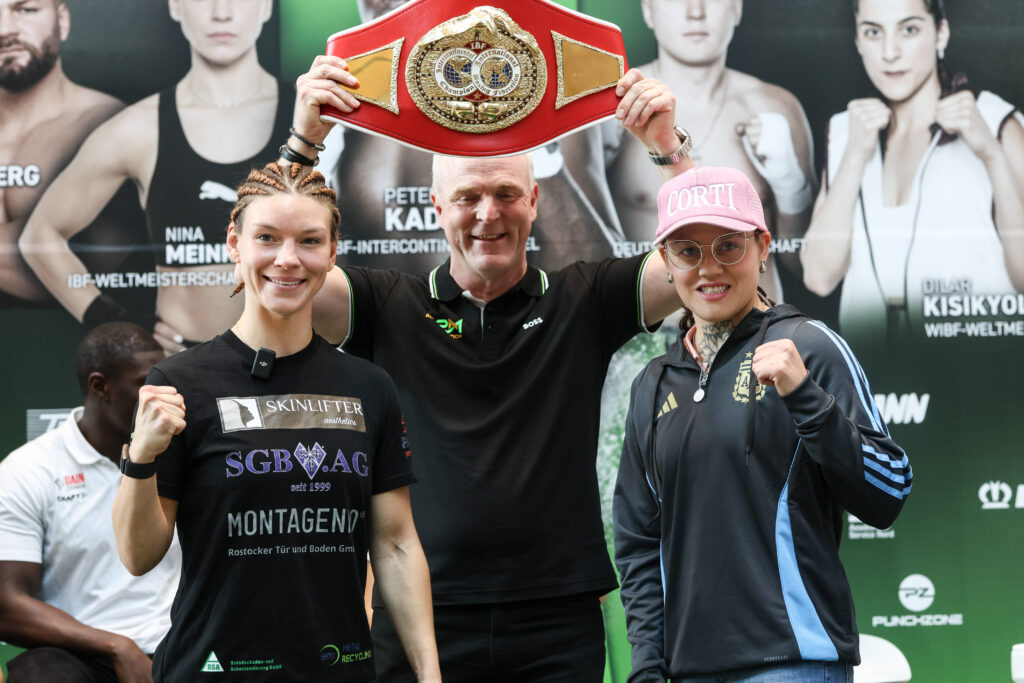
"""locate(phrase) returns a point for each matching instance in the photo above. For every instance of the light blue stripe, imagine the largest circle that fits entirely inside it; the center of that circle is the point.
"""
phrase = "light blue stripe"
(898, 464)
(885, 472)
(859, 380)
(878, 483)
(651, 487)
(661, 561)
(811, 637)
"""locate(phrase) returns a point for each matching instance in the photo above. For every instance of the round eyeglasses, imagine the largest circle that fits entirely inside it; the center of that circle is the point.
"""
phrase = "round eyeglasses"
(727, 249)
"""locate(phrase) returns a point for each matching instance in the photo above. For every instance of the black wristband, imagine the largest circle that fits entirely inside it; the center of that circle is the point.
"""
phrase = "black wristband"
(137, 470)
(104, 309)
(295, 134)
(293, 157)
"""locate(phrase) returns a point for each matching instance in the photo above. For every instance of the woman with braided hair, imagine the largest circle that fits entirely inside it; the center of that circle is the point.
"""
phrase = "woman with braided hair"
(280, 462)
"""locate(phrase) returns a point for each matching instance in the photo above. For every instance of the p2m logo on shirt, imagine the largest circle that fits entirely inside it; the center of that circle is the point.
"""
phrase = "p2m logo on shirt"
(291, 411)
(452, 327)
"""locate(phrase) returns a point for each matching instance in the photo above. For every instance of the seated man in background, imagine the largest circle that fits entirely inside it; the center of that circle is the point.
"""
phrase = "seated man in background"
(63, 591)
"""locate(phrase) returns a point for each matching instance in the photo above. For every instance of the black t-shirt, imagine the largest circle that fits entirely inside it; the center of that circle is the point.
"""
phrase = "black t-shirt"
(503, 404)
(273, 481)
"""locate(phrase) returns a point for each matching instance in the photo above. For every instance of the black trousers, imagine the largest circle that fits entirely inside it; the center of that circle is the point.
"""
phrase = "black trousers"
(40, 664)
(553, 640)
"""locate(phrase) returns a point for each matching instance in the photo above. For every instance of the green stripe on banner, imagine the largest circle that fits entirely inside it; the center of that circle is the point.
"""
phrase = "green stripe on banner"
(616, 646)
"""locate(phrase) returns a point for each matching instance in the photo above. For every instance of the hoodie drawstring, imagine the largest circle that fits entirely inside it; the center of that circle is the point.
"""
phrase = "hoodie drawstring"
(758, 340)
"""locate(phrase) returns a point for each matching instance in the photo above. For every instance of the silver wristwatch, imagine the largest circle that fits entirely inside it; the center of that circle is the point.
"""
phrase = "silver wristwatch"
(685, 145)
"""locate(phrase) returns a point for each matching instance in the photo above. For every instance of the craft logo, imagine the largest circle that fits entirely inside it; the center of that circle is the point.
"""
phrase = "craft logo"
(70, 487)
(916, 594)
(741, 387)
(903, 408)
(212, 664)
(291, 411)
(997, 495)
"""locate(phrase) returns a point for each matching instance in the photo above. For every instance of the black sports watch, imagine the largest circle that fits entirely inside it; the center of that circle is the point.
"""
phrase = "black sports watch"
(685, 145)
(136, 470)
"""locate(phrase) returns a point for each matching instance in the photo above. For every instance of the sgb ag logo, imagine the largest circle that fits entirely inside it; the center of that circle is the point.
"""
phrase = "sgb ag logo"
(917, 592)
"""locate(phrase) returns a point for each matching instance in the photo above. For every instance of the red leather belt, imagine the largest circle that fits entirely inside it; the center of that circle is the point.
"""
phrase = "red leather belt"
(451, 77)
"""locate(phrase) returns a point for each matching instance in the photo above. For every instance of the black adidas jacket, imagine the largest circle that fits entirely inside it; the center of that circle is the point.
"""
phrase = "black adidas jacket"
(729, 554)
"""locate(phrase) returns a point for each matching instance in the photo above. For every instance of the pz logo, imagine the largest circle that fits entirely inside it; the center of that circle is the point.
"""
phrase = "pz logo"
(452, 327)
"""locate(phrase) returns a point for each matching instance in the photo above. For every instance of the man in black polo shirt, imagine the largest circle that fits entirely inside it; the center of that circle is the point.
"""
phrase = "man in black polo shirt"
(500, 368)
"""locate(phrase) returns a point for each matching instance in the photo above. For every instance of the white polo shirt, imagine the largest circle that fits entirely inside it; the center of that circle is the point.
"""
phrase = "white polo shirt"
(56, 497)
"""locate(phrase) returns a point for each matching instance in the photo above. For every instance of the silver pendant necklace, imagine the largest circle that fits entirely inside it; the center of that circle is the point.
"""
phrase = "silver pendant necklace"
(698, 395)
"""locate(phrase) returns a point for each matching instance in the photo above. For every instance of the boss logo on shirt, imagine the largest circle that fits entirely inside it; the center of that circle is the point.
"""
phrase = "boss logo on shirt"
(291, 411)
(741, 387)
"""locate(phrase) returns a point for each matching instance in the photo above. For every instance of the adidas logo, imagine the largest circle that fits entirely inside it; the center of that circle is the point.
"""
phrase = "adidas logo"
(212, 663)
(669, 404)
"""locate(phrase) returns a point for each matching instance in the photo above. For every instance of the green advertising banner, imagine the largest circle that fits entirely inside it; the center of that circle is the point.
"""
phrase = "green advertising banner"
(925, 282)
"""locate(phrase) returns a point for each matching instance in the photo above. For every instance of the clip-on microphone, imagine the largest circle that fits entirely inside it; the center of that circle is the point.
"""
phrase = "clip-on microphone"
(263, 364)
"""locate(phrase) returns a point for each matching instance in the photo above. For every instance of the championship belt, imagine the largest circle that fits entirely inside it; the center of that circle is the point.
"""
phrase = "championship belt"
(450, 77)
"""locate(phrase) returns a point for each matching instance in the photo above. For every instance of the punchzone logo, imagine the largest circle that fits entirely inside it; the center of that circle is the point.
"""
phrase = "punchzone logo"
(916, 594)
(741, 387)
(997, 495)
(310, 460)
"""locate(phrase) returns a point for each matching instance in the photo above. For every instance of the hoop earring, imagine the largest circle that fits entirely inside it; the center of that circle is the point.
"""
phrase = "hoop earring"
(941, 53)
(668, 276)
(764, 266)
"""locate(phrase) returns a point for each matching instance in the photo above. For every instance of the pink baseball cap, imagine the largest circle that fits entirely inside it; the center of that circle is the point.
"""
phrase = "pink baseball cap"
(707, 194)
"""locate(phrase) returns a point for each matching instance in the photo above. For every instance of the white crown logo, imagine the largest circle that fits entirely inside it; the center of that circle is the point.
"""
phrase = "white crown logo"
(995, 495)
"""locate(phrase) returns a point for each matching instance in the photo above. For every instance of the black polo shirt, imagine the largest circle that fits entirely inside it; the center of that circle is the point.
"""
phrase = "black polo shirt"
(503, 405)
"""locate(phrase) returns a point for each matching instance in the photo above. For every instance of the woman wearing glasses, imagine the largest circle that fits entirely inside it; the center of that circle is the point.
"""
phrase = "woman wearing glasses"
(923, 193)
(743, 445)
